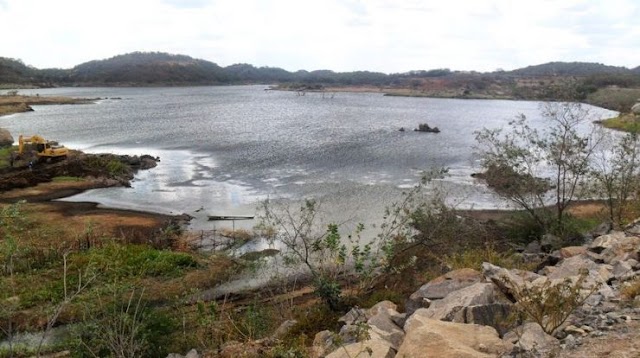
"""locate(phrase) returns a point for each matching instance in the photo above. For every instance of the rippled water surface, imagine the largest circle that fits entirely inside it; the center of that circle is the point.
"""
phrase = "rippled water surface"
(223, 149)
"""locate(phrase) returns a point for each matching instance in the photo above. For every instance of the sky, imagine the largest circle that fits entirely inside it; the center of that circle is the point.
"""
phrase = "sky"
(388, 36)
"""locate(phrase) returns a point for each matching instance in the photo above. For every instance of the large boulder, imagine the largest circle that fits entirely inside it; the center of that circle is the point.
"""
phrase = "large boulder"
(614, 247)
(452, 307)
(495, 315)
(426, 337)
(385, 320)
(608, 241)
(440, 287)
(507, 279)
(6, 140)
(635, 109)
(572, 266)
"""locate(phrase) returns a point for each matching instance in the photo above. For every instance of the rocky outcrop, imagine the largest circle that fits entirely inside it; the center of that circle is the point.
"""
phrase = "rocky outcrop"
(451, 308)
(6, 140)
(440, 287)
(635, 109)
(464, 312)
(427, 337)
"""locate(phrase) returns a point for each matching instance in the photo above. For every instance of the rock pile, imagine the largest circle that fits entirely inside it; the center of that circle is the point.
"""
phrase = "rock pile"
(6, 139)
(464, 312)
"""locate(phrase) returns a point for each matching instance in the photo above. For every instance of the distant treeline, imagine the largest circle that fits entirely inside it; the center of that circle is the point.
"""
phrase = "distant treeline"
(554, 80)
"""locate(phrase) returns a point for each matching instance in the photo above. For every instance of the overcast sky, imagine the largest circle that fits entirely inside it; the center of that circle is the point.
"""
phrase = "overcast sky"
(340, 35)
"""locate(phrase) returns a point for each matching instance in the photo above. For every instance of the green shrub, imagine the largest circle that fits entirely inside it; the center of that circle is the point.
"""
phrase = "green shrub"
(137, 260)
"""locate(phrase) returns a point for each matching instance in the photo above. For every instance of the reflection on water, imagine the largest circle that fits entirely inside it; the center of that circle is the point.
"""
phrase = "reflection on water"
(223, 149)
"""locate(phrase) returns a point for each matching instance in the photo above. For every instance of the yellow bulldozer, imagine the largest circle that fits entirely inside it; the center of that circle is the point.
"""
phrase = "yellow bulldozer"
(44, 149)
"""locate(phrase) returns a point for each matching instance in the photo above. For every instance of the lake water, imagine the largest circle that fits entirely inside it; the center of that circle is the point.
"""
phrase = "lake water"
(224, 149)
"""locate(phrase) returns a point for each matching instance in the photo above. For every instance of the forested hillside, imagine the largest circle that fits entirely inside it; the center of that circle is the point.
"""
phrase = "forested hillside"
(550, 81)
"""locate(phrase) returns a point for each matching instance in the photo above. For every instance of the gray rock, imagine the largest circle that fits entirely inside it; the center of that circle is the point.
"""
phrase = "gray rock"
(374, 347)
(432, 338)
(388, 308)
(505, 279)
(550, 242)
(451, 308)
(572, 266)
(355, 315)
(635, 109)
(532, 339)
(382, 307)
(602, 229)
(495, 315)
(384, 325)
(283, 329)
(569, 342)
(440, 287)
(533, 247)
(623, 270)
(323, 343)
(6, 139)
(607, 241)
(191, 354)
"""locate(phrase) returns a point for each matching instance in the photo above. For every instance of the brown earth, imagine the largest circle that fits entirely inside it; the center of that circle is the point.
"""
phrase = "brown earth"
(18, 103)
(39, 189)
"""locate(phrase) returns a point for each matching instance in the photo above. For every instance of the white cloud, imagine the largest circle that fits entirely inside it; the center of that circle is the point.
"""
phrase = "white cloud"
(343, 35)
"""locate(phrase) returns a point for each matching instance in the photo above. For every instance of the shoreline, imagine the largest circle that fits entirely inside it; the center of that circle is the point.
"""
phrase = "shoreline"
(113, 221)
(47, 195)
(12, 104)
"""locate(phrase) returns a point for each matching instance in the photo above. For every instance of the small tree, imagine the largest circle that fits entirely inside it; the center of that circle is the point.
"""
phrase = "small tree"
(560, 154)
(324, 254)
(616, 169)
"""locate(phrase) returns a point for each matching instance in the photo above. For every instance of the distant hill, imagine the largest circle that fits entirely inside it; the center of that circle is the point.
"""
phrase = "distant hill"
(569, 69)
(14, 71)
(569, 80)
(148, 68)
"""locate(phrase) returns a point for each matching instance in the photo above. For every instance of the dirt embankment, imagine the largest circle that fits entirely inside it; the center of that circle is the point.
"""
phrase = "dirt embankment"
(96, 170)
(43, 182)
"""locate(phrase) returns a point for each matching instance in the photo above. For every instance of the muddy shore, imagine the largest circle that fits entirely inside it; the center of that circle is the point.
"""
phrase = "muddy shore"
(39, 189)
